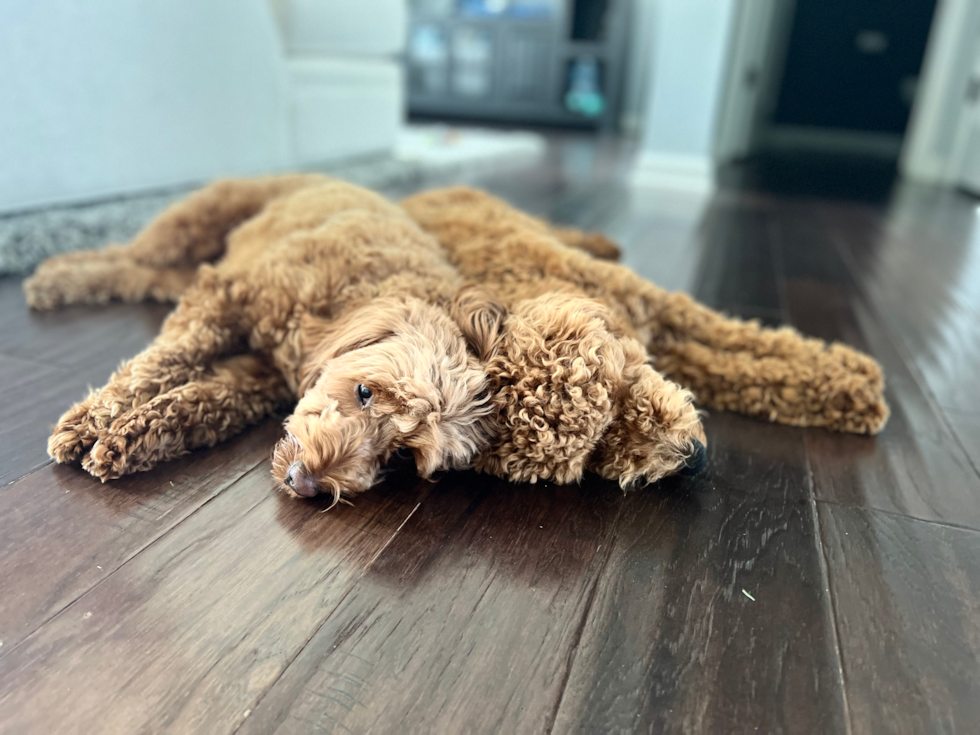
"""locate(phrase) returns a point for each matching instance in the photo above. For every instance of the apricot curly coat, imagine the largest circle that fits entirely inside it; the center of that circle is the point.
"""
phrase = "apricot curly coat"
(567, 309)
(321, 288)
(563, 338)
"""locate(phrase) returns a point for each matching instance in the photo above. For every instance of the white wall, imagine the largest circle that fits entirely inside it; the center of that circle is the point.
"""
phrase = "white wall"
(691, 39)
(106, 96)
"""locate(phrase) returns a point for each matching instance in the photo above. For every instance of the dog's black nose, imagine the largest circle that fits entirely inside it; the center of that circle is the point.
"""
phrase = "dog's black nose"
(299, 482)
(696, 462)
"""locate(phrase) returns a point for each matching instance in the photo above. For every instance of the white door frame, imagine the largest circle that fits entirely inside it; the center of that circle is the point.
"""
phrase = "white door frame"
(929, 150)
(754, 68)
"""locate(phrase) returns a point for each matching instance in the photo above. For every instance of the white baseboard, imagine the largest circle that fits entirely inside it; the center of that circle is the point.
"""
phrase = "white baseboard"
(693, 174)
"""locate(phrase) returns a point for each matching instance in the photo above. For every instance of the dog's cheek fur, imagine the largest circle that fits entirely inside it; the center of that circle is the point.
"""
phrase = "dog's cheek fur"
(654, 433)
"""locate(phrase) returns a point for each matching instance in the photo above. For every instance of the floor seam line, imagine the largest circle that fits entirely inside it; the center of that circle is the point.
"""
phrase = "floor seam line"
(138, 552)
(900, 347)
(329, 615)
(31, 471)
(825, 576)
(896, 514)
(585, 619)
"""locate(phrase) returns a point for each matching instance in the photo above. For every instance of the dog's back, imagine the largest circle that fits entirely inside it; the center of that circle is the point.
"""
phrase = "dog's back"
(333, 245)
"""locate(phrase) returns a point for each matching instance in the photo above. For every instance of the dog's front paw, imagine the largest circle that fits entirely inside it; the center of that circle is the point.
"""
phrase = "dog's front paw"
(67, 445)
(109, 458)
(74, 433)
(136, 441)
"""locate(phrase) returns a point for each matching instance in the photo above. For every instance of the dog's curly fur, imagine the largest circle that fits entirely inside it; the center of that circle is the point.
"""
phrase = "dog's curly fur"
(321, 287)
(729, 364)
(482, 335)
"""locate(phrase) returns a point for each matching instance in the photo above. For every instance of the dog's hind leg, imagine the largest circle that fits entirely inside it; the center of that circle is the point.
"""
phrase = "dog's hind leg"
(161, 261)
(235, 393)
(593, 243)
(98, 276)
(194, 230)
(776, 374)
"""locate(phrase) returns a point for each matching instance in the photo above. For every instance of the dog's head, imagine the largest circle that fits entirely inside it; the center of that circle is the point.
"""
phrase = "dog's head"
(395, 373)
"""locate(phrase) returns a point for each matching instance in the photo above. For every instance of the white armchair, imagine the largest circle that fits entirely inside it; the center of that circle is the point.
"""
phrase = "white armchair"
(346, 85)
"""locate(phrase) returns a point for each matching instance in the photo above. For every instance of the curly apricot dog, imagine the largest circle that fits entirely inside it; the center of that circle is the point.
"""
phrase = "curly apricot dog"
(328, 293)
(381, 366)
(567, 310)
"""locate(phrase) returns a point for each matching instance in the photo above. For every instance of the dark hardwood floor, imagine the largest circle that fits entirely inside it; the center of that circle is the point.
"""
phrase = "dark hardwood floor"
(806, 582)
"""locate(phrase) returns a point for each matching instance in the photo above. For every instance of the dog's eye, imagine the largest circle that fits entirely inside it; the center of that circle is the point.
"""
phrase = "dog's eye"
(363, 394)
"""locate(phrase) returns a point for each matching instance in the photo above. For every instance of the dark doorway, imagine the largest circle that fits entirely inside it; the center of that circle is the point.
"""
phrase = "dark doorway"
(853, 64)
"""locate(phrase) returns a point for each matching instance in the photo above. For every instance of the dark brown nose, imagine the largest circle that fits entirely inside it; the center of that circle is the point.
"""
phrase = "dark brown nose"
(696, 462)
(299, 481)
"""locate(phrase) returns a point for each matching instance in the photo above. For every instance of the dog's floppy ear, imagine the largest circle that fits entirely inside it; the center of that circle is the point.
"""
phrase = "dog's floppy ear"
(322, 340)
(553, 380)
(479, 317)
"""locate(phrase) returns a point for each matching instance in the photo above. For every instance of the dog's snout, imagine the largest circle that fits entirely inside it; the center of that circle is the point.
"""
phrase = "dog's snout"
(299, 482)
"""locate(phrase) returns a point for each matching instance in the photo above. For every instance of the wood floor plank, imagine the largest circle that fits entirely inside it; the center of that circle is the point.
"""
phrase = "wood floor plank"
(79, 337)
(62, 532)
(500, 608)
(737, 264)
(664, 236)
(188, 635)
(32, 396)
(907, 600)
(711, 615)
(916, 466)
(966, 426)
(466, 622)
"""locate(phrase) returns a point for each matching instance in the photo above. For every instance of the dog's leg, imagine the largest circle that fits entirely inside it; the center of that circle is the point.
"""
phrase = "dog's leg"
(194, 230)
(205, 326)
(831, 386)
(98, 276)
(160, 263)
(776, 374)
(593, 243)
(234, 394)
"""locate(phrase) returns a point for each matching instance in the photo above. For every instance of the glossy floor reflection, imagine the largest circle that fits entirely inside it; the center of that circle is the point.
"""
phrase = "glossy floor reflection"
(806, 582)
